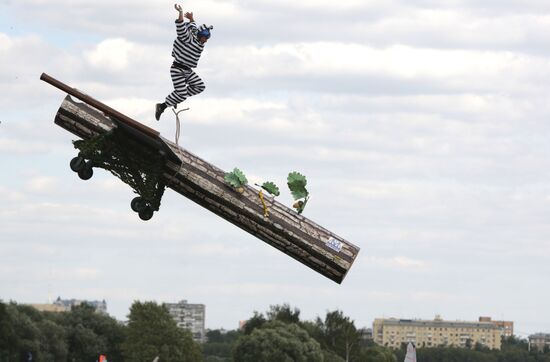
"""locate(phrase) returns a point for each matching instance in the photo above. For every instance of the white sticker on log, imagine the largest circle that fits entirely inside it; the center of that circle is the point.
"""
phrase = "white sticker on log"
(334, 244)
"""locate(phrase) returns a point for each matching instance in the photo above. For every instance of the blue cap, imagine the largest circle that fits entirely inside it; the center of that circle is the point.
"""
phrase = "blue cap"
(204, 31)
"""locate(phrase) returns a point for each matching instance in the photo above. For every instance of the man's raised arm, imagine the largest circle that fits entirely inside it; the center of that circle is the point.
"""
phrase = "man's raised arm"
(180, 11)
(182, 28)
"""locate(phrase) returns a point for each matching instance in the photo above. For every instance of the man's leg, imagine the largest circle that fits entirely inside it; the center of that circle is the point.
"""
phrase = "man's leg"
(195, 85)
(180, 93)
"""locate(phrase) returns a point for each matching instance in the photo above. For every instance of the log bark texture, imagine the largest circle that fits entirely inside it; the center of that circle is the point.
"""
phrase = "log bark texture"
(203, 183)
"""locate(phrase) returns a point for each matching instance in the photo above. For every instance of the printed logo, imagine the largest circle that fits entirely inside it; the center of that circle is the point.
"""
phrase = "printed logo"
(334, 244)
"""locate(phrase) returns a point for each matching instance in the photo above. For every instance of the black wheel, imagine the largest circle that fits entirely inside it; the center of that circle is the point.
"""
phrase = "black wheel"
(77, 164)
(138, 204)
(87, 171)
(146, 213)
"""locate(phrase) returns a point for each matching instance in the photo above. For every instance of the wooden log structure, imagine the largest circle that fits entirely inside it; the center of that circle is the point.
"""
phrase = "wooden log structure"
(203, 183)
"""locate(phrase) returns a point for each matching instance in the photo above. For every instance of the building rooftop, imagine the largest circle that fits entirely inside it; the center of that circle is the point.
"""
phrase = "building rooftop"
(438, 323)
(540, 335)
(50, 308)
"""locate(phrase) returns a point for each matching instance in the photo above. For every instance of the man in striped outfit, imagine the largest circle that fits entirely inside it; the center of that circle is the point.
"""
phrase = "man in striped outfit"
(187, 50)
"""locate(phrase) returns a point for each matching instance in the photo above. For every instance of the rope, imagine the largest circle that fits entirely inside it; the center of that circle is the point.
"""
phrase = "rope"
(178, 124)
(177, 137)
(266, 211)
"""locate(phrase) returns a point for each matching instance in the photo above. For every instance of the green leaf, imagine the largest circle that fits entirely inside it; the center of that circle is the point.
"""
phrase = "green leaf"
(297, 184)
(271, 188)
(236, 178)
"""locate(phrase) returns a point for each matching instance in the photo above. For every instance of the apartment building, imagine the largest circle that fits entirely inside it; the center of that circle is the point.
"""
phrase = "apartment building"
(539, 341)
(437, 332)
(53, 308)
(190, 317)
(506, 327)
(100, 306)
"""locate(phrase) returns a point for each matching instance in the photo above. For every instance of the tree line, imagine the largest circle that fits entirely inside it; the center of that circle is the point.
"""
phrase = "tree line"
(81, 335)
(277, 335)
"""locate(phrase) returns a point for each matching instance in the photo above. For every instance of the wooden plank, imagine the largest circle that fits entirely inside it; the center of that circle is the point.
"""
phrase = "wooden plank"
(203, 183)
(100, 106)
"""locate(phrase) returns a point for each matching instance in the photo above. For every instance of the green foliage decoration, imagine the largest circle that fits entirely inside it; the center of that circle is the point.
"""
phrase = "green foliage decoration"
(297, 184)
(126, 158)
(236, 178)
(271, 188)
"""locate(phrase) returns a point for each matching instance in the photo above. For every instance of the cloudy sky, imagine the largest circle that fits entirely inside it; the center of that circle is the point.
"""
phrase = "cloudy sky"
(422, 127)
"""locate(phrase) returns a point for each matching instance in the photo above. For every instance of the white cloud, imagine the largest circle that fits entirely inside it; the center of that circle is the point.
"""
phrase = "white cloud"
(454, 69)
(41, 184)
(440, 297)
(264, 289)
(113, 185)
(315, 4)
(397, 262)
(23, 145)
(382, 296)
(215, 249)
(5, 42)
(87, 273)
(11, 195)
(112, 54)
(13, 49)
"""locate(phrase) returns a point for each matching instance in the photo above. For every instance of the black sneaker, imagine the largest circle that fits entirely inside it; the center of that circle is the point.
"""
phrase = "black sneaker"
(159, 108)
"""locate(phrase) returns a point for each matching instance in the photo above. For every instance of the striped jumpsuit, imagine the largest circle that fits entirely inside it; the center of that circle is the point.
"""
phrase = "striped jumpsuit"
(186, 52)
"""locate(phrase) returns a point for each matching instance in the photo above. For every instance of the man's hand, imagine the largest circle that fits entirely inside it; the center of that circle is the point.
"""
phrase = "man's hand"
(178, 7)
(189, 16)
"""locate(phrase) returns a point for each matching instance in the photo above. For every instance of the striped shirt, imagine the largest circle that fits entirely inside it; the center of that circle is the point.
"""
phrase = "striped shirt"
(187, 48)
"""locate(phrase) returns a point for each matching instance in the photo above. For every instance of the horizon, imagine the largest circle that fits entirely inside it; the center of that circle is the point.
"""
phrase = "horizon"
(436, 317)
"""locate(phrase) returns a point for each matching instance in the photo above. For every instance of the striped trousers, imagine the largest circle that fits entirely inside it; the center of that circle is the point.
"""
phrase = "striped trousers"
(186, 84)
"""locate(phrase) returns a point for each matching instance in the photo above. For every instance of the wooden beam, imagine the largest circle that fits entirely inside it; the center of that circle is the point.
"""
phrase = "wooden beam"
(203, 183)
(99, 105)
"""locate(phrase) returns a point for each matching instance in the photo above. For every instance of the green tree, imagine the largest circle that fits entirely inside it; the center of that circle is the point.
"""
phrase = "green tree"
(8, 337)
(23, 319)
(216, 359)
(284, 314)
(376, 354)
(84, 343)
(340, 335)
(53, 344)
(514, 342)
(256, 321)
(329, 356)
(90, 334)
(219, 345)
(480, 347)
(152, 332)
(24, 330)
(454, 354)
(214, 336)
(276, 341)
